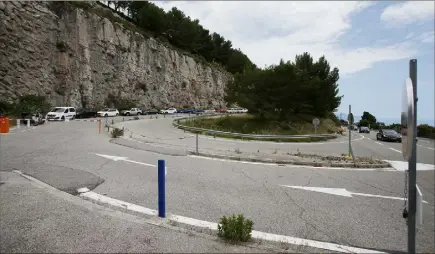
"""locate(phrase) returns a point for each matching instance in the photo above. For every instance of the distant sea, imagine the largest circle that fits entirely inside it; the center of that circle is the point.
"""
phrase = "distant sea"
(388, 121)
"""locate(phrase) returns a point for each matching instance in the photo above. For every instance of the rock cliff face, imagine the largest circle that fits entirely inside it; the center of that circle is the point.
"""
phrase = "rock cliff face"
(76, 57)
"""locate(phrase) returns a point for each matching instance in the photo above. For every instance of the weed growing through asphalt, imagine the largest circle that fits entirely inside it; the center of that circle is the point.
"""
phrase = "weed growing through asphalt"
(235, 228)
(117, 132)
(237, 150)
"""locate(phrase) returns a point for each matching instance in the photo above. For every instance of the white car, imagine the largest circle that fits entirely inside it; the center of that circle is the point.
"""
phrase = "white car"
(61, 113)
(108, 112)
(168, 111)
(131, 112)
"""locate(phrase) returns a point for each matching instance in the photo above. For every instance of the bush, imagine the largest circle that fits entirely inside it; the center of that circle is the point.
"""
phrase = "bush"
(26, 104)
(235, 228)
(117, 132)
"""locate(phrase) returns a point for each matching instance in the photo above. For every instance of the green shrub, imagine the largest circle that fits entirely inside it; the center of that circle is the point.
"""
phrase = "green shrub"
(117, 132)
(235, 228)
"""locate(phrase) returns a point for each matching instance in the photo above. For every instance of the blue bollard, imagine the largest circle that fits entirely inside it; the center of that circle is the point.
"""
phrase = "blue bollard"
(161, 188)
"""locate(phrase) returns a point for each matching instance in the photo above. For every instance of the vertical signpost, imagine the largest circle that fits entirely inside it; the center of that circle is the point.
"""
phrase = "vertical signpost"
(316, 123)
(409, 145)
(350, 124)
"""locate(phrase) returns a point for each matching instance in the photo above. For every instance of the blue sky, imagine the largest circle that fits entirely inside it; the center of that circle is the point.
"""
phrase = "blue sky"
(370, 42)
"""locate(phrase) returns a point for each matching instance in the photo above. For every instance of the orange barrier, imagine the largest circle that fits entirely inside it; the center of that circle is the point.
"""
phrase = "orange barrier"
(4, 125)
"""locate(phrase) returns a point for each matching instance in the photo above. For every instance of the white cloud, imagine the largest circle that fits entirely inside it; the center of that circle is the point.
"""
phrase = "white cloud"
(267, 31)
(427, 37)
(408, 12)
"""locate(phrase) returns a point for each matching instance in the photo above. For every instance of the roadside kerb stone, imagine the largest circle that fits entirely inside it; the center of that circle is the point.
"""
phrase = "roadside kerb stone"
(293, 162)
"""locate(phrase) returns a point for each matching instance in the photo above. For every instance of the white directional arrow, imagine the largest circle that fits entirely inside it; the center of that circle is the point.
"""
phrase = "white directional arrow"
(119, 158)
(342, 192)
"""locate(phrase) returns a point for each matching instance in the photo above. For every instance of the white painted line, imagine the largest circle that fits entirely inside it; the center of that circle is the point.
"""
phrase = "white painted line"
(294, 166)
(379, 143)
(430, 148)
(380, 196)
(342, 192)
(23, 130)
(395, 150)
(118, 203)
(213, 226)
(403, 165)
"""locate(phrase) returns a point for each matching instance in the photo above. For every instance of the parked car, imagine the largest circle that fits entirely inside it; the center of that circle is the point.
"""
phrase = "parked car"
(186, 110)
(221, 111)
(364, 129)
(388, 135)
(168, 111)
(198, 111)
(61, 113)
(150, 111)
(131, 112)
(108, 112)
(86, 113)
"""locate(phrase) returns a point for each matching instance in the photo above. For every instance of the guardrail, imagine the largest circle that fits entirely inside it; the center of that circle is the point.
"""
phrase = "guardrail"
(177, 124)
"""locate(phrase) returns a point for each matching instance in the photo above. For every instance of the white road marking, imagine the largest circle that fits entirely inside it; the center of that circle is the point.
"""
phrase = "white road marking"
(213, 226)
(118, 158)
(379, 143)
(395, 150)
(294, 166)
(403, 165)
(342, 192)
(426, 147)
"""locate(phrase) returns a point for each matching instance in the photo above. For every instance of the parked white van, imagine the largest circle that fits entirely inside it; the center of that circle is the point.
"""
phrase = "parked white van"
(61, 113)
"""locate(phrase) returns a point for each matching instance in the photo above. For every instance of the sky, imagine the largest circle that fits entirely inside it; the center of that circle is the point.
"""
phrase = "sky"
(371, 43)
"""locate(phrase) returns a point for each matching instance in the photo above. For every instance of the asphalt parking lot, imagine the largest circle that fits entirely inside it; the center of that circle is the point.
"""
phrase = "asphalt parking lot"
(64, 155)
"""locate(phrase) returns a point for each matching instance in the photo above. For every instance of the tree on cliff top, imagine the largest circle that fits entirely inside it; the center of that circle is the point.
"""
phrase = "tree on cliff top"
(185, 33)
(286, 89)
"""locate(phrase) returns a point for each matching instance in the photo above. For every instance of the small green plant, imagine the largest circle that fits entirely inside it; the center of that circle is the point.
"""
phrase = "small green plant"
(235, 228)
(117, 132)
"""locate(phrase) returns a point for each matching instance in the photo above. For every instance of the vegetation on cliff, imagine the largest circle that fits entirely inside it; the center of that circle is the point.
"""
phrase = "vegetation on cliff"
(179, 30)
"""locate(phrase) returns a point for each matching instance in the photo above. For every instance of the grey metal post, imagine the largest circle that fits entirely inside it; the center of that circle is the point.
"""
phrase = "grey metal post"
(315, 130)
(350, 125)
(412, 167)
(197, 143)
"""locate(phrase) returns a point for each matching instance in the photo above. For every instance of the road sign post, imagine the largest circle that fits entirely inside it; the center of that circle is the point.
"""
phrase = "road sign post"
(409, 147)
(316, 123)
(350, 120)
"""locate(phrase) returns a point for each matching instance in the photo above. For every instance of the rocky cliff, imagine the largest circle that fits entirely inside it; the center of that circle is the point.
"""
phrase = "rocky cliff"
(83, 58)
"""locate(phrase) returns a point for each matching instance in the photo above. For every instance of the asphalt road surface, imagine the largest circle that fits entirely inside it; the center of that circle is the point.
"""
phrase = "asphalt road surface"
(64, 156)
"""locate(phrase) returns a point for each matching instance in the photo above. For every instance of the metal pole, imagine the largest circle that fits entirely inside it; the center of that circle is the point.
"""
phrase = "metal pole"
(350, 124)
(197, 143)
(412, 205)
(315, 130)
(161, 189)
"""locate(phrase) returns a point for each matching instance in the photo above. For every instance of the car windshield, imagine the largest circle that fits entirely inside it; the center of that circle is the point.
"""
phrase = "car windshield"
(58, 110)
(389, 131)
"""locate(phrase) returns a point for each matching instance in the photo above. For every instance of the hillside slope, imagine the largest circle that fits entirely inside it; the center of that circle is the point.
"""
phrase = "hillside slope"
(79, 58)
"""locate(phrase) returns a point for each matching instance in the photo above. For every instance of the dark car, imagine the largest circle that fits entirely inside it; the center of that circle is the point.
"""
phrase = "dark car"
(86, 113)
(186, 110)
(388, 135)
(198, 111)
(364, 129)
(150, 111)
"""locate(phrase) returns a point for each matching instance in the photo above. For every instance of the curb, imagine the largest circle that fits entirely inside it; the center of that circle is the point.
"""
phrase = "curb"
(289, 162)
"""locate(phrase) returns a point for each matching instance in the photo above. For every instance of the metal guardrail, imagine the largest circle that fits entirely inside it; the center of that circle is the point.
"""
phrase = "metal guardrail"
(177, 124)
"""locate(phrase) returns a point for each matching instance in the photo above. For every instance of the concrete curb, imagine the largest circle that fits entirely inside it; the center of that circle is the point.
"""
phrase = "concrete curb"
(290, 162)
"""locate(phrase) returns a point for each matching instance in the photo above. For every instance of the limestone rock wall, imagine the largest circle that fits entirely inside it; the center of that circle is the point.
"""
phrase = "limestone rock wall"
(79, 58)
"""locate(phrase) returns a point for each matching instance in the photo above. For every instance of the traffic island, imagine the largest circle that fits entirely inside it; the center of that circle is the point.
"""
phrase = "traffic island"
(301, 159)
